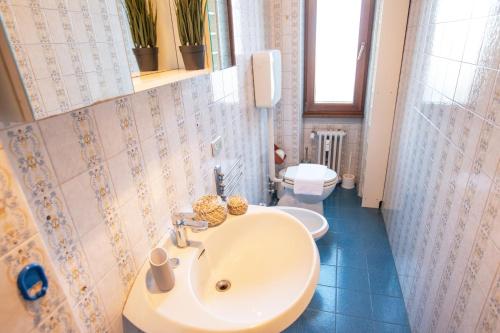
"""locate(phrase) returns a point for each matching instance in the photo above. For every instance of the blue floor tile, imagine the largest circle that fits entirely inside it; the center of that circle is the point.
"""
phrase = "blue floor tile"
(328, 254)
(354, 303)
(384, 282)
(379, 327)
(382, 260)
(312, 321)
(340, 211)
(324, 299)
(358, 289)
(371, 214)
(353, 279)
(350, 257)
(295, 327)
(375, 242)
(328, 275)
(349, 240)
(347, 324)
(318, 321)
(372, 229)
(347, 225)
(389, 309)
(328, 239)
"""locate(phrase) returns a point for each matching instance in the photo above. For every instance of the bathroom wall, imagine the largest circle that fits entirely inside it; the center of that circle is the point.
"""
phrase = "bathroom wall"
(442, 198)
(21, 244)
(286, 34)
(291, 130)
(102, 181)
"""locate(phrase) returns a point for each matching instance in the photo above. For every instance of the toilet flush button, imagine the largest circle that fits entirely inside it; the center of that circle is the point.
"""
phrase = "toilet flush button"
(216, 146)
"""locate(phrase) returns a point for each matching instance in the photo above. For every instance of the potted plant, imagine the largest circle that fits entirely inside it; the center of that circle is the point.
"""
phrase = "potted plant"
(142, 20)
(191, 25)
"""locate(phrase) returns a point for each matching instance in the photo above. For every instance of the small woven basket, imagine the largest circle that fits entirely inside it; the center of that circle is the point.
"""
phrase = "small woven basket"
(237, 205)
(211, 209)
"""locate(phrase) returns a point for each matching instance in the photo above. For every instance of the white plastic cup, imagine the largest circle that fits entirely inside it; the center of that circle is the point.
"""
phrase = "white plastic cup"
(347, 181)
(163, 273)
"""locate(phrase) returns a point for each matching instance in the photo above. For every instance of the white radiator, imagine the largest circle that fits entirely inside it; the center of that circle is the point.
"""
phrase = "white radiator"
(330, 149)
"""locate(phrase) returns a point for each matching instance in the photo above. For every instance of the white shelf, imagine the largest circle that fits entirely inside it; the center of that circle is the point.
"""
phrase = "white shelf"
(154, 80)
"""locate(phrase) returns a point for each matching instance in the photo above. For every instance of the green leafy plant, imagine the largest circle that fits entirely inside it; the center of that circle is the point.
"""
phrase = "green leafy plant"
(142, 20)
(191, 21)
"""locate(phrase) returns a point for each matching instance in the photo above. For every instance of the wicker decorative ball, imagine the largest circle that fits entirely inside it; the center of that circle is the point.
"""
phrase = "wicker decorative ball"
(237, 205)
(210, 208)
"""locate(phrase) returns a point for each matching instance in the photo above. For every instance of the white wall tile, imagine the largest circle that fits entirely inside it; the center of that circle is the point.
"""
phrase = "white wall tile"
(109, 128)
(121, 176)
(445, 138)
(131, 216)
(99, 252)
(80, 199)
(112, 294)
(78, 24)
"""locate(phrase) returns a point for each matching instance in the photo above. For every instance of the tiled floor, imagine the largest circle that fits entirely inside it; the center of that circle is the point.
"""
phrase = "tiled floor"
(358, 288)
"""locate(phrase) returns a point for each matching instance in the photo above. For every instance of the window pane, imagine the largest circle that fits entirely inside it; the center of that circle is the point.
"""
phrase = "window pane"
(337, 30)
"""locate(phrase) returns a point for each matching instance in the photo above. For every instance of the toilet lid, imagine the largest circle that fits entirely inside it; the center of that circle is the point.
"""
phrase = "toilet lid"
(330, 176)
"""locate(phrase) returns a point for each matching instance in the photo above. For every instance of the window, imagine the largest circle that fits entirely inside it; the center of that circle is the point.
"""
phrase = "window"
(337, 44)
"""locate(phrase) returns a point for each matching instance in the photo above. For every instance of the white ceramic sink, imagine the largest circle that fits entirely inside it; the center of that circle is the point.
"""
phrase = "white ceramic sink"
(269, 258)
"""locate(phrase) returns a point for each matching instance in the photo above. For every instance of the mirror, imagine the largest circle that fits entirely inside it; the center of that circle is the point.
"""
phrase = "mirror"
(221, 35)
(69, 55)
(60, 56)
(218, 41)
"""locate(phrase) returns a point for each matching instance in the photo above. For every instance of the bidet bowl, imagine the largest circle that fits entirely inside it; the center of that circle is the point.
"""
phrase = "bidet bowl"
(242, 276)
(314, 222)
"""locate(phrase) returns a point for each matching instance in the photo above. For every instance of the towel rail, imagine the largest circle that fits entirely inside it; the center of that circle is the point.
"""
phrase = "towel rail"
(227, 183)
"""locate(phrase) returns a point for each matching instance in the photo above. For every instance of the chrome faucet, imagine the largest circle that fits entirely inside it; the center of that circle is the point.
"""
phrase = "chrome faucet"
(182, 220)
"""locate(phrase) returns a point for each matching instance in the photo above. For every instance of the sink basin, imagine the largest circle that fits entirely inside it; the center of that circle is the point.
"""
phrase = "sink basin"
(242, 276)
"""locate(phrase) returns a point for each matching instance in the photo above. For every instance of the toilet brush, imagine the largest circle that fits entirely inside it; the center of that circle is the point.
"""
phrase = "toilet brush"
(306, 159)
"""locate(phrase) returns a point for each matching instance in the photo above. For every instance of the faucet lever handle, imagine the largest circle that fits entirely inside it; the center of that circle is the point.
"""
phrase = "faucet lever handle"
(199, 225)
(187, 215)
(182, 216)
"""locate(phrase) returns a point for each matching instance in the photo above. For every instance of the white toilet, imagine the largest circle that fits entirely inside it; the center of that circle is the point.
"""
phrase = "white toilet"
(313, 202)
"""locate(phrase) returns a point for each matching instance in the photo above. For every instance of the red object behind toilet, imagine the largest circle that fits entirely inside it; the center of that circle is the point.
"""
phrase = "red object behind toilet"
(279, 155)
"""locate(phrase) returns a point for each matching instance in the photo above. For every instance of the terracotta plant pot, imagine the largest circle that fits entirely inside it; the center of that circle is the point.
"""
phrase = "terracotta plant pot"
(147, 58)
(193, 56)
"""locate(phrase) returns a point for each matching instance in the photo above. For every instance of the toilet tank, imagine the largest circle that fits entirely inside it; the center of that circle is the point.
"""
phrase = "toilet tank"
(267, 78)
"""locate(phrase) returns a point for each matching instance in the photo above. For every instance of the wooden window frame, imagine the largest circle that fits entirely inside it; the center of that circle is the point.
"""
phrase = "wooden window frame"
(355, 109)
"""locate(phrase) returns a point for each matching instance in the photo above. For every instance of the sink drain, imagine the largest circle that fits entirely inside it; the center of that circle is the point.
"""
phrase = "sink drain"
(223, 285)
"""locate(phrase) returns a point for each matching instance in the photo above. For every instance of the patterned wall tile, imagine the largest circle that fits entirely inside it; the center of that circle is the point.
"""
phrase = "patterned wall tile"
(60, 321)
(137, 169)
(28, 314)
(159, 104)
(15, 224)
(32, 167)
(441, 199)
(21, 245)
(99, 179)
